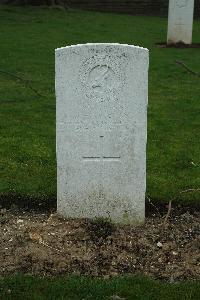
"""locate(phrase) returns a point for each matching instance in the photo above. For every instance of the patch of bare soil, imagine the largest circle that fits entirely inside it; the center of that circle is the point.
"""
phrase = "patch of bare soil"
(178, 45)
(45, 244)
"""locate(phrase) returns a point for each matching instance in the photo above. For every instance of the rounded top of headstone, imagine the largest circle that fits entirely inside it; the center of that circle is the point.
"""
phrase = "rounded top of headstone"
(103, 45)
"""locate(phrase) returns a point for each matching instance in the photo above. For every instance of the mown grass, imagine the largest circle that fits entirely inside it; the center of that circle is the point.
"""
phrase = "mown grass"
(82, 288)
(28, 37)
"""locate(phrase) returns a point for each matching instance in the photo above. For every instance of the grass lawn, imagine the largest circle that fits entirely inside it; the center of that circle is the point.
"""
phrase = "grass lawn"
(28, 37)
(73, 288)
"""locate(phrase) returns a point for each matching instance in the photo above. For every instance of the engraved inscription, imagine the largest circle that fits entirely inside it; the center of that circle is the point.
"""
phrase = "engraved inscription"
(179, 22)
(91, 157)
(181, 3)
(102, 157)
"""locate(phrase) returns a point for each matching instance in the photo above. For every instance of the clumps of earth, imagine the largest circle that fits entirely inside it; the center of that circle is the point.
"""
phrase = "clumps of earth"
(45, 244)
(179, 45)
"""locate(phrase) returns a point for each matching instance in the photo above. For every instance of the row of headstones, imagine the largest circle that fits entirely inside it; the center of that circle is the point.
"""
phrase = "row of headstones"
(102, 92)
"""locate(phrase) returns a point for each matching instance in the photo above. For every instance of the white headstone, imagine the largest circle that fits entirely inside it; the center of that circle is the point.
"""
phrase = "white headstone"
(180, 21)
(101, 92)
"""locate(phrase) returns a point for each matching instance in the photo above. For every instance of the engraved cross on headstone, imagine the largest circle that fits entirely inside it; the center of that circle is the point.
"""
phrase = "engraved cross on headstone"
(179, 22)
(101, 157)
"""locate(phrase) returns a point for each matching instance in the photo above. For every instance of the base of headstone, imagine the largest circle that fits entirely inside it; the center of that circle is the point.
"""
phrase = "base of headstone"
(178, 45)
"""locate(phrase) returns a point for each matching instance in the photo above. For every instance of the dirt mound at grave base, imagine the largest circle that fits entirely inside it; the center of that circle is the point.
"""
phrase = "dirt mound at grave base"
(178, 45)
(44, 244)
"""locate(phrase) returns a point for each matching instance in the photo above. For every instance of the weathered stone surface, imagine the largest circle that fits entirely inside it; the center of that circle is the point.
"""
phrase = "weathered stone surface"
(180, 21)
(101, 92)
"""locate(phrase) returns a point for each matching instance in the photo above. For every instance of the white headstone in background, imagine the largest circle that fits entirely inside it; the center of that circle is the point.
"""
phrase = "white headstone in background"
(101, 92)
(180, 21)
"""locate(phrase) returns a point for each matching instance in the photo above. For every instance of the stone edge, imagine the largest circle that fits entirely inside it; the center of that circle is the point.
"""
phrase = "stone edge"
(101, 44)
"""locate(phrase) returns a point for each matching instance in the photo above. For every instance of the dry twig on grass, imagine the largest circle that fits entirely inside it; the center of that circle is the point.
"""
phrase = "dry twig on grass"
(35, 237)
(170, 204)
(168, 213)
(187, 68)
(25, 82)
(190, 191)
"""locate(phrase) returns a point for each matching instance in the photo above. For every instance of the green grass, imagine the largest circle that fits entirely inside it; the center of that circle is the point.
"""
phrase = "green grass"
(82, 288)
(28, 37)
